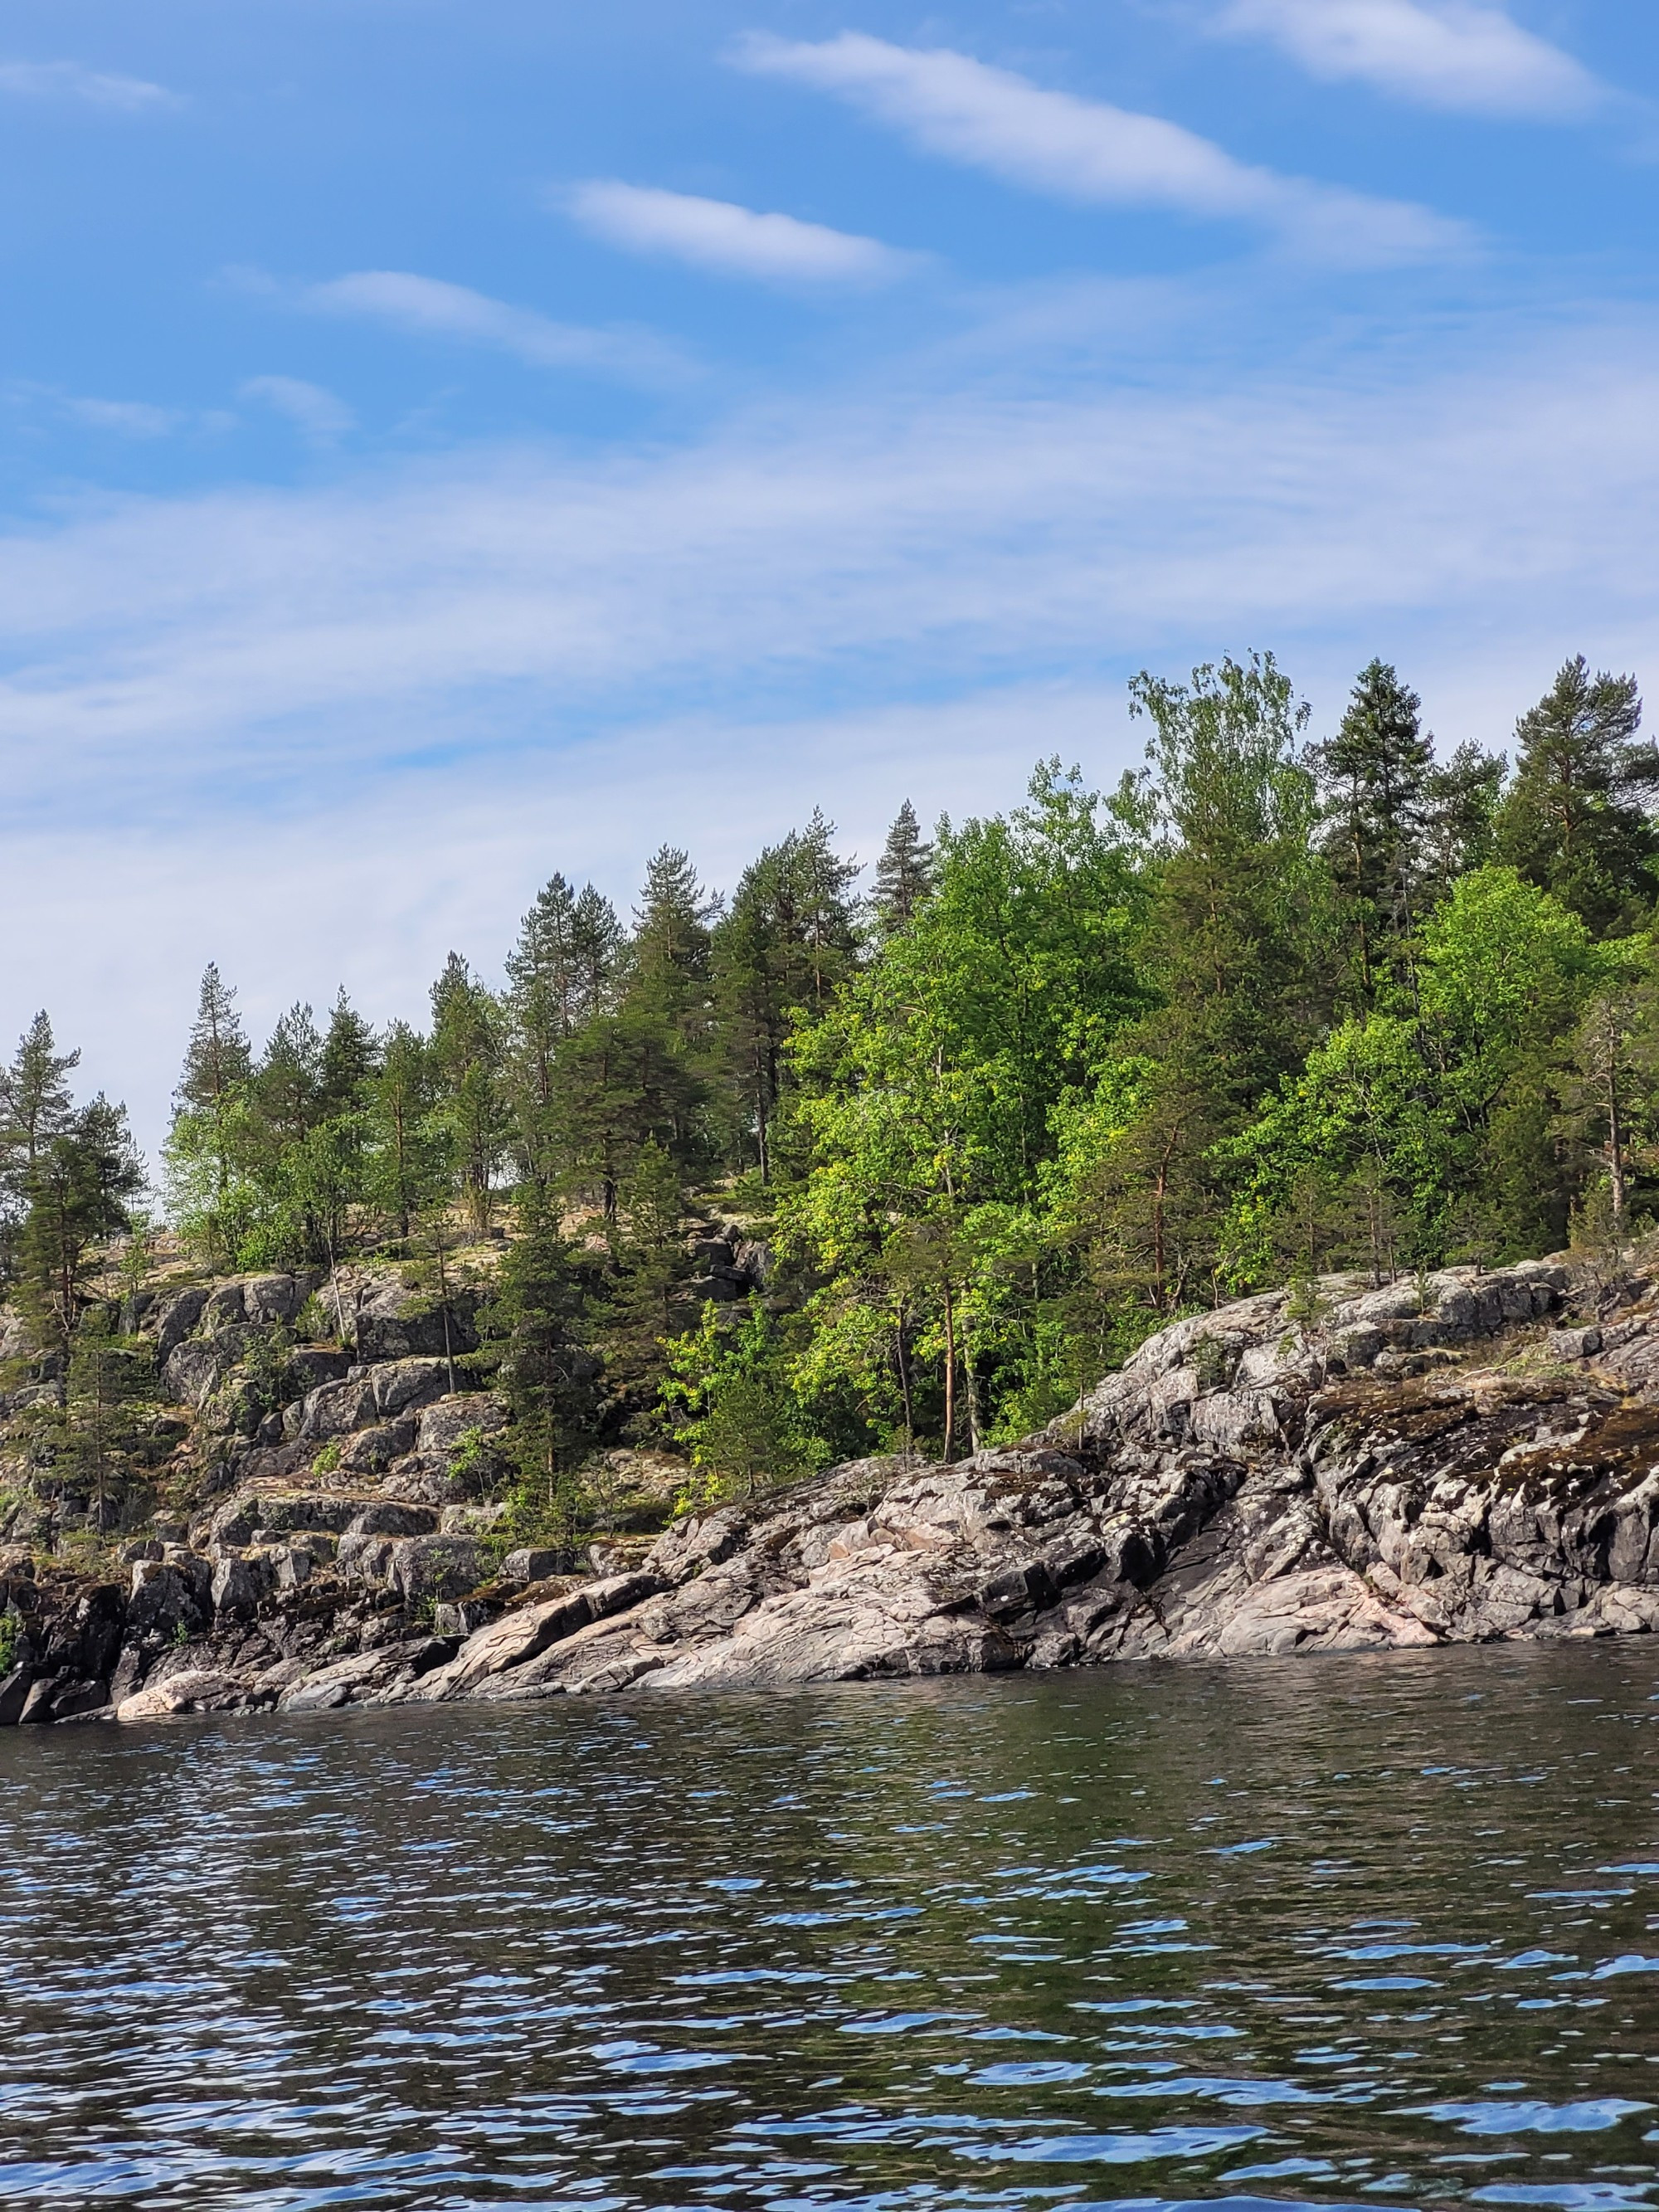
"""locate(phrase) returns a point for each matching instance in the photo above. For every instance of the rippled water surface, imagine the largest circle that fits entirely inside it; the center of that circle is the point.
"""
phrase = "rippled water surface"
(1332, 1932)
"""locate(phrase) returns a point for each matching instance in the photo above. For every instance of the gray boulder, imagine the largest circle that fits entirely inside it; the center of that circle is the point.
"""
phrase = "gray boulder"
(241, 1584)
(174, 1316)
(533, 1563)
(371, 1451)
(393, 1321)
(267, 1299)
(168, 1596)
(283, 1513)
(335, 1409)
(366, 1557)
(386, 1516)
(448, 1423)
(404, 1386)
(435, 1567)
(224, 1309)
(312, 1365)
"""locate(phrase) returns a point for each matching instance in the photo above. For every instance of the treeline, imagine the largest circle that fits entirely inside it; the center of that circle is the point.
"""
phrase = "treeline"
(1271, 1006)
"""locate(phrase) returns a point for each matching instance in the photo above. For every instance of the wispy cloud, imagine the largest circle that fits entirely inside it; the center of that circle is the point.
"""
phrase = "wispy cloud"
(1449, 54)
(1089, 152)
(319, 417)
(733, 240)
(97, 88)
(430, 683)
(428, 307)
(127, 418)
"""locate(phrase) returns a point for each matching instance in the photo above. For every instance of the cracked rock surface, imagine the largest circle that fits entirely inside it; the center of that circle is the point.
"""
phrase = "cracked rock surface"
(1463, 1458)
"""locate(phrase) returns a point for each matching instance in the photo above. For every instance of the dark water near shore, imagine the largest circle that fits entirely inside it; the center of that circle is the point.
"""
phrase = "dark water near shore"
(1337, 1932)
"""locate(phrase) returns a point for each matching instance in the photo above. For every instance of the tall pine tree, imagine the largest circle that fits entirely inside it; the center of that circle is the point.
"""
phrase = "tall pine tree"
(1575, 820)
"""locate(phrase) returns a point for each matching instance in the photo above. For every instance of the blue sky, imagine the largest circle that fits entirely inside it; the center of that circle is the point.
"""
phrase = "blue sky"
(442, 443)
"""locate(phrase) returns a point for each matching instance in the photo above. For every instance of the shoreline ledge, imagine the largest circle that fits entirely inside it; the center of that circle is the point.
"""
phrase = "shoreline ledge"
(1439, 1461)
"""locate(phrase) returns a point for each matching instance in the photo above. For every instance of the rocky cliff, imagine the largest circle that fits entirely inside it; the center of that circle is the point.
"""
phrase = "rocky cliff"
(1460, 1458)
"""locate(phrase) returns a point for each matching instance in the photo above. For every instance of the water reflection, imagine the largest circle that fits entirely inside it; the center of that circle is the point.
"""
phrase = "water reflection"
(1333, 1932)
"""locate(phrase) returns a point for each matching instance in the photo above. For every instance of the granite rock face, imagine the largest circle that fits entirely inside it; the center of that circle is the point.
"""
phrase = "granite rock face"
(1428, 1463)
(1467, 1458)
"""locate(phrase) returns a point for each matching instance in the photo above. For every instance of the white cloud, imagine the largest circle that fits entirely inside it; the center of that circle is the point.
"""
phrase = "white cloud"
(1442, 53)
(1089, 152)
(323, 732)
(730, 239)
(432, 308)
(128, 418)
(69, 80)
(318, 416)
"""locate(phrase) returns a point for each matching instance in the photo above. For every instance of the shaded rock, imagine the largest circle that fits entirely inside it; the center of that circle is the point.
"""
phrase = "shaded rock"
(168, 1597)
(312, 1365)
(239, 1585)
(391, 1321)
(534, 1562)
(335, 1409)
(385, 1517)
(373, 1677)
(366, 1559)
(173, 1315)
(284, 1512)
(371, 1451)
(521, 1636)
(434, 1567)
(13, 1695)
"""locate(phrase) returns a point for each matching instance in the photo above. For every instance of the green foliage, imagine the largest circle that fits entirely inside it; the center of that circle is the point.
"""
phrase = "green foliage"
(1574, 820)
(1273, 1008)
(735, 1405)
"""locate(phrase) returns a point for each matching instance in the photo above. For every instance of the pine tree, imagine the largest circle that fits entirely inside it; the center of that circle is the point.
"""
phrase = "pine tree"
(1574, 820)
(217, 1060)
(288, 1085)
(348, 1060)
(904, 873)
(559, 976)
(34, 1096)
(77, 1188)
(1376, 773)
(829, 920)
(662, 1043)
(779, 953)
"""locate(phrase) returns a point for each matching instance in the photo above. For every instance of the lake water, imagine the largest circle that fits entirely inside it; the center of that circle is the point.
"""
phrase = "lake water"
(1337, 1932)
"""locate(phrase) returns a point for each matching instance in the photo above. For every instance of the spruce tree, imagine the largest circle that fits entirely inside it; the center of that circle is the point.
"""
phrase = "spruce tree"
(1575, 820)
(538, 1317)
(904, 873)
(349, 1059)
(217, 1070)
(1374, 773)
(1461, 797)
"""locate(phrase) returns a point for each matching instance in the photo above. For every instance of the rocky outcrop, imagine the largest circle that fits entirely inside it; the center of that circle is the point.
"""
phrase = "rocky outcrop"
(1466, 1458)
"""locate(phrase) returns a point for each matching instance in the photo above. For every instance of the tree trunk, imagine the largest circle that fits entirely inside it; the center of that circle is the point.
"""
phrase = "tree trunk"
(950, 1376)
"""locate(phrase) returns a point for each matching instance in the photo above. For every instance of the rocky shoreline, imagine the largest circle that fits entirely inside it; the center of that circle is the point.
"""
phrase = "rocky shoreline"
(1463, 1458)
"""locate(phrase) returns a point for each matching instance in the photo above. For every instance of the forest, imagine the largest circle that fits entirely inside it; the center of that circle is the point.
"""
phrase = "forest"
(1274, 1007)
